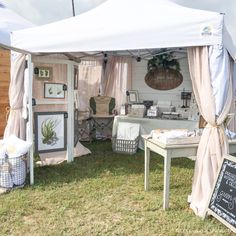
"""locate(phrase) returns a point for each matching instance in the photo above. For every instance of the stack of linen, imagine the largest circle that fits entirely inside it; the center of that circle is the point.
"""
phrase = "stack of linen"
(175, 136)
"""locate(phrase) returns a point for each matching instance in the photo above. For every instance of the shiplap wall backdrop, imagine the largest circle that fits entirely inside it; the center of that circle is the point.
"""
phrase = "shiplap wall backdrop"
(59, 76)
(4, 86)
(139, 70)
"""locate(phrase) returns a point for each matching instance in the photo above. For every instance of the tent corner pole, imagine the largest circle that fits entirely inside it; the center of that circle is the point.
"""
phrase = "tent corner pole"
(30, 117)
(70, 109)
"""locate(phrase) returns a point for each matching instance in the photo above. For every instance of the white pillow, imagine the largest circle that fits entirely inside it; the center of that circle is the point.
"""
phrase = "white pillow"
(16, 147)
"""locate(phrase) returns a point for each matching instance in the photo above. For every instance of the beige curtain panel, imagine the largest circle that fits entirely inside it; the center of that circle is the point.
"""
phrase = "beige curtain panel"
(90, 72)
(16, 123)
(213, 143)
(117, 78)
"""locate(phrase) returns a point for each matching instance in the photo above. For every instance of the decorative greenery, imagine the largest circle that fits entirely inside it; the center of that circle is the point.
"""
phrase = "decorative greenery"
(47, 129)
(164, 60)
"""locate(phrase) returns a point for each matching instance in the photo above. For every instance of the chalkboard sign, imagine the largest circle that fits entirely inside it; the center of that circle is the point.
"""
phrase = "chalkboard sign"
(222, 203)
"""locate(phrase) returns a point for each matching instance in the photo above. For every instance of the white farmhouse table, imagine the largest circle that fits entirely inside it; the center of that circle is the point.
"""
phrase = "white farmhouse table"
(169, 151)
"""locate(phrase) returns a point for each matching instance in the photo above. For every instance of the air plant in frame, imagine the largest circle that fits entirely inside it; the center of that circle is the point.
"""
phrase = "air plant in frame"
(59, 91)
(48, 131)
(50, 91)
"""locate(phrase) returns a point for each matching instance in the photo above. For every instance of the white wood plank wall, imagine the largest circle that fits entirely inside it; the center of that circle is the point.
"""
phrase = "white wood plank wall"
(139, 70)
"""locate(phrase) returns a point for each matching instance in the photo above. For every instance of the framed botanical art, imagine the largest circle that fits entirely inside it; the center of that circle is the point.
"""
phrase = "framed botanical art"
(50, 131)
(54, 90)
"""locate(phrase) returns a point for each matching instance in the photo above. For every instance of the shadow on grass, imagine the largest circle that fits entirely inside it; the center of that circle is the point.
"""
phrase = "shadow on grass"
(102, 160)
(183, 163)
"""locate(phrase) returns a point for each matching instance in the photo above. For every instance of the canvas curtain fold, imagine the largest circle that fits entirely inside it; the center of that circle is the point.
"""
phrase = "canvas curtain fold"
(90, 72)
(213, 143)
(16, 123)
(117, 79)
(232, 125)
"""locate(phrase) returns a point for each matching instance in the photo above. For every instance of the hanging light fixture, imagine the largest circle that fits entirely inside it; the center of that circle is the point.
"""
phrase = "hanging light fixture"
(73, 8)
(138, 58)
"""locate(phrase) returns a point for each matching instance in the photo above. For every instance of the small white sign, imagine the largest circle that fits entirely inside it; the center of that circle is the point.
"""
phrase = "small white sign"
(44, 73)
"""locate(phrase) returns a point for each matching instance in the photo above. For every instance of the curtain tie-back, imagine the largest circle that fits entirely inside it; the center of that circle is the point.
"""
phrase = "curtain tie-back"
(9, 109)
(7, 112)
(222, 137)
(214, 125)
(15, 108)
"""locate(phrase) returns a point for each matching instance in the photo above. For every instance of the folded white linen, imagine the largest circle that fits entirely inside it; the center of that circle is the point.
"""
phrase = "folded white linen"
(171, 133)
(175, 136)
(128, 131)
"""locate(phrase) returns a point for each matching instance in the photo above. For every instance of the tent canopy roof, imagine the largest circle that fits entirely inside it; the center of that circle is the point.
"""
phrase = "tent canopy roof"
(125, 25)
(10, 21)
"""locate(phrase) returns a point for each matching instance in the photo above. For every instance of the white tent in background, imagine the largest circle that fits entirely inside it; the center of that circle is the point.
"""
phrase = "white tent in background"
(148, 24)
(10, 21)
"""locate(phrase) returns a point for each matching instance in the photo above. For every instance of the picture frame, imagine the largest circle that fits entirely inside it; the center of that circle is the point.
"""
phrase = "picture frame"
(54, 90)
(133, 96)
(76, 77)
(43, 73)
(50, 131)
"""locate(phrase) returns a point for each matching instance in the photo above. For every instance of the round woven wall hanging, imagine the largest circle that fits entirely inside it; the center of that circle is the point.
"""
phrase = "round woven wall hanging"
(163, 78)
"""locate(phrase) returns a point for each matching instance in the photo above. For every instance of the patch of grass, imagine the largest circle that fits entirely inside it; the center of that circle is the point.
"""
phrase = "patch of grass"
(103, 194)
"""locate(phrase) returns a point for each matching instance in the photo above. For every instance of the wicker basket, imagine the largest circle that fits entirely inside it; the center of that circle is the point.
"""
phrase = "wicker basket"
(12, 172)
(125, 146)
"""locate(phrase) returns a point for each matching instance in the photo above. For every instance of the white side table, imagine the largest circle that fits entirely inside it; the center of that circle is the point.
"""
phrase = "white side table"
(169, 152)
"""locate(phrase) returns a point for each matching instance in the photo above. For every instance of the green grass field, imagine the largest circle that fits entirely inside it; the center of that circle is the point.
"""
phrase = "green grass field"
(103, 194)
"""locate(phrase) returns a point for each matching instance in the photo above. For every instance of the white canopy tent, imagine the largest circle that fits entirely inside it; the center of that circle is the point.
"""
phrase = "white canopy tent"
(121, 25)
(147, 24)
(10, 21)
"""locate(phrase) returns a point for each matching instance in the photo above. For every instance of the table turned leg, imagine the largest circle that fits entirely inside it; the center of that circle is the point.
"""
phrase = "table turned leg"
(146, 167)
(167, 163)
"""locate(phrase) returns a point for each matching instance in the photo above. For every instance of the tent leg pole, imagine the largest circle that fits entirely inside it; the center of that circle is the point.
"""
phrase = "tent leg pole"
(30, 119)
(70, 109)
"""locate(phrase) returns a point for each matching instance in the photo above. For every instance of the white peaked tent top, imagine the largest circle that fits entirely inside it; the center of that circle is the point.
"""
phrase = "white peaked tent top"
(10, 21)
(125, 24)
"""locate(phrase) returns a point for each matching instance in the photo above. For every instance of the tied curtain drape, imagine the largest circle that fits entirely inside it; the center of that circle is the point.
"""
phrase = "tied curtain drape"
(117, 79)
(16, 122)
(214, 103)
